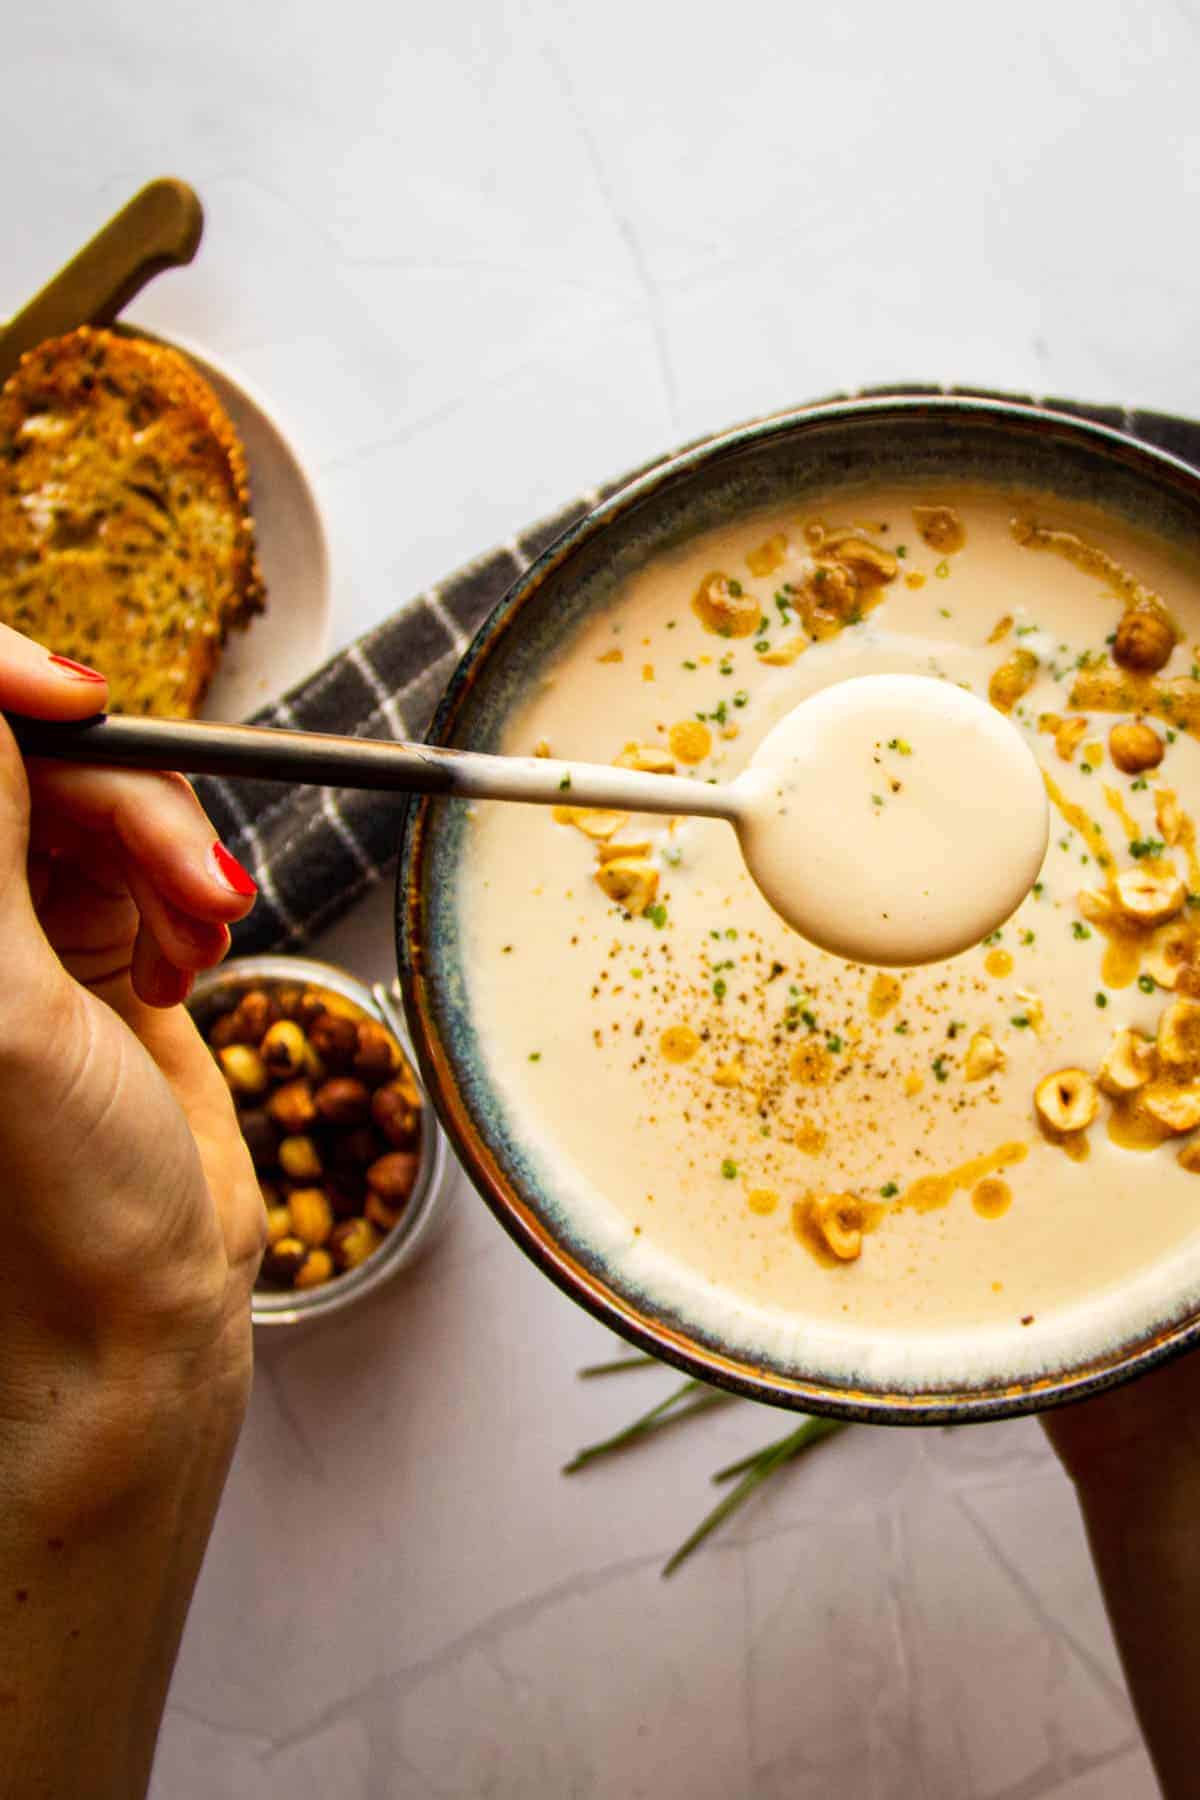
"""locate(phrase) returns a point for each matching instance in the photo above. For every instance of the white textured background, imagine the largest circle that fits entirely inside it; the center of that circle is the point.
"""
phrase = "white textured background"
(477, 256)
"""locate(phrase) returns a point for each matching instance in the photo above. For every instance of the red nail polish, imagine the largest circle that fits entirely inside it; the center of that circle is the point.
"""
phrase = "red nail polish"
(232, 872)
(78, 671)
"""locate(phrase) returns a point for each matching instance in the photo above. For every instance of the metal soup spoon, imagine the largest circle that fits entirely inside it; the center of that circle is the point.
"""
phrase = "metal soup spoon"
(891, 819)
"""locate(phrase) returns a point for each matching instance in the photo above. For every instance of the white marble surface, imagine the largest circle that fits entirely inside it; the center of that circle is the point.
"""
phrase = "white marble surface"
(479, 255)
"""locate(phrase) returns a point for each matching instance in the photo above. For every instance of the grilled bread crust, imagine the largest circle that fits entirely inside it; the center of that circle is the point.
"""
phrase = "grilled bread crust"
(126, 539)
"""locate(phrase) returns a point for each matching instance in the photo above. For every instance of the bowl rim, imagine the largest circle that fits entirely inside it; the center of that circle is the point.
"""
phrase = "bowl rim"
(425, 1205)
(585, 1285)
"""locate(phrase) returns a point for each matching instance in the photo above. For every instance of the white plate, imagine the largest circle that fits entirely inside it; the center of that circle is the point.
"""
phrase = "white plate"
(290, 639)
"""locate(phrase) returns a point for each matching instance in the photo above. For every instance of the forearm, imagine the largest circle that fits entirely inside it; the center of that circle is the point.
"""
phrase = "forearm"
(1134, 1456)
(1146, 1549)
(103, 1527)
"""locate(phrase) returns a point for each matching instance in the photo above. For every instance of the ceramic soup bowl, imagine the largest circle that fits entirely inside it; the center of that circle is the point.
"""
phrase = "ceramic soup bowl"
(783, 461)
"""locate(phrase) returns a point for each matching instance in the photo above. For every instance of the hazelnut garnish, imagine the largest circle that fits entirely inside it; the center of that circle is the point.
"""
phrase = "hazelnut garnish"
(279, 1224)
(283, 1260)
(291, 1106)
(392, 1176)
(254, 1012)
(1147, 900)
(316, 1269)
(1066, 1102)
(1175, 1108)
(312, 1215)
(244, 1070)
(335, 1039)
(838, 1218)
(394, 1113)
(630, 881)
(984, 1057)
(1135, 746)
(1144, 640)
(354, 1147)
(374, 1057)
(284, 1049)
(343, 1101)
(299, 1158)
(347, 1193)
(721, 606)
(261, 1135)
(224, 1030)
(1128, 1063)
(352, 1242)
(1178, 1040)
(1013, 678)
(380, 1213)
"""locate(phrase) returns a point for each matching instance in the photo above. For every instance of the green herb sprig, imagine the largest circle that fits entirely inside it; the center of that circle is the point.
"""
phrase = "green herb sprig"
(690, 1398)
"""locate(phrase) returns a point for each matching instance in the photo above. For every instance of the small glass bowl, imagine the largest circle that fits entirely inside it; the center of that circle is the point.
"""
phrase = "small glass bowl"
(425, 1207)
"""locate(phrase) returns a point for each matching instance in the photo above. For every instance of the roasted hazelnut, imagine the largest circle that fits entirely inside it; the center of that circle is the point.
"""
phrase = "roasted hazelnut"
(375, 1055)
(1144, 640)
(352, 1242)
(353, 1148)
(244, 1069)
(292, 1106)
(1175, 1108)
(279, 1223)
(346, 1190)
(1147, 900)
(1014, 677)
(261, 1135)
(312, 1215)
(1178, 1041)
(838, 1220)
(395, 1115)
(309, 1008)
(1135, 746)
(316, 1270)
(299, 1159)
(393, 1175)
(1128, 1063)
(343, 1101)
(1066, 1102)
(335, 1039)
(284, 1049)
(380, 1213)
(282, 1261)
(288, 1000)
(254, 1012)
(224, 1031)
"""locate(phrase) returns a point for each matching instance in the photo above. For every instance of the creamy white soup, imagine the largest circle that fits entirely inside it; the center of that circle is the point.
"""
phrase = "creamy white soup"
(986, 1165)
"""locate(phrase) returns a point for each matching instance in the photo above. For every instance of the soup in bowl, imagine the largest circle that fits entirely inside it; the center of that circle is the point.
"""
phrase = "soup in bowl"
(949, 1191)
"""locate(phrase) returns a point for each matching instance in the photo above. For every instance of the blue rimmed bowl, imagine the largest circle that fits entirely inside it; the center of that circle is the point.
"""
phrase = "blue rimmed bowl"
(785, 459)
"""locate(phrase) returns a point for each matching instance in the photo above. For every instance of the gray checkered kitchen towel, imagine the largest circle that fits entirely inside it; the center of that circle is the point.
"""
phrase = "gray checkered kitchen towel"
(315, 851)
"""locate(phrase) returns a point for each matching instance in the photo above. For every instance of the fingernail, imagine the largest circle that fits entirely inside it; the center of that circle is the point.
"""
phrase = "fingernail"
(232, 872)
(76, 670)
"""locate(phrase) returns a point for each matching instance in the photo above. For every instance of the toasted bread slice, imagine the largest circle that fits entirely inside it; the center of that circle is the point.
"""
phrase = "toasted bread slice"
(125, 532)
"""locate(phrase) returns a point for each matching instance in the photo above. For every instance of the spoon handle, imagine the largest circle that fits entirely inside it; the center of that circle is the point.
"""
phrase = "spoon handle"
(158, 228)
(262, 753)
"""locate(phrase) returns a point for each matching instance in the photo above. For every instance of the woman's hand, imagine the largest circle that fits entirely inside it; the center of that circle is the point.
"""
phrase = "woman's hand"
(132, 1231)
(138, 1222)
